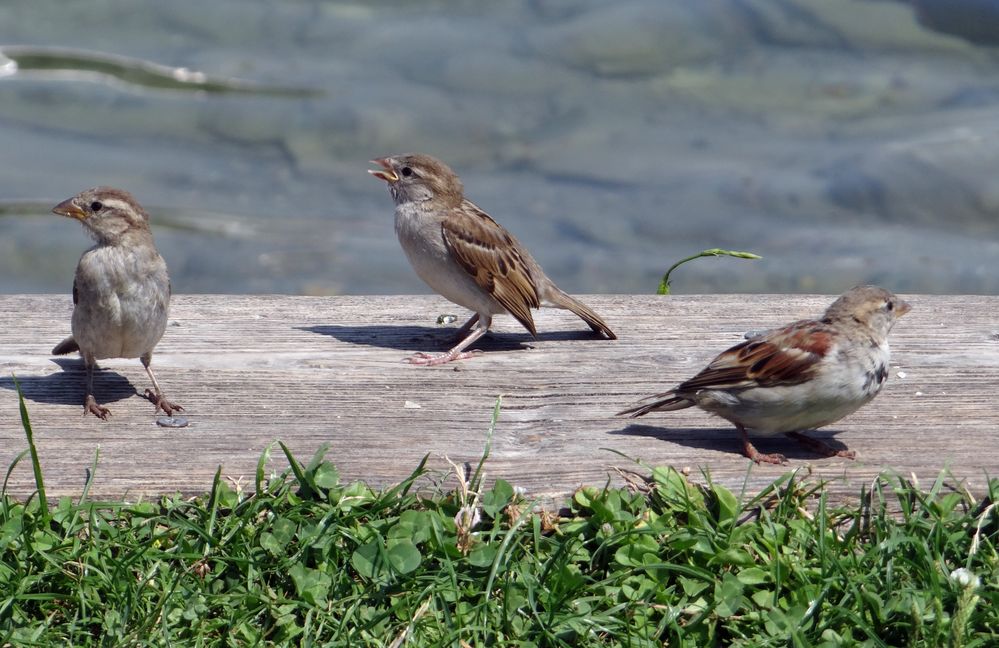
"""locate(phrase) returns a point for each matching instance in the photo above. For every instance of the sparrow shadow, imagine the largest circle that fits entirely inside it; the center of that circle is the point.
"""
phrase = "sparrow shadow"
(67, 386)
(727, 440)
(433, 338)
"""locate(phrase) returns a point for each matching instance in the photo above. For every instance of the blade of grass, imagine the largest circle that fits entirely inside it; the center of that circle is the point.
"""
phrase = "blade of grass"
(90, 476)
(10, 469)
(296, 468)
(473, 483)
(402, 488)
(213, 508)
(664, 286)
(265, 456)
(43, 504)
(501, 554)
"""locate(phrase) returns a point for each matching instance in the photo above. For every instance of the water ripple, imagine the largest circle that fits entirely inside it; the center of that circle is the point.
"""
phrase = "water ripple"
(77, 64)
(229, 226)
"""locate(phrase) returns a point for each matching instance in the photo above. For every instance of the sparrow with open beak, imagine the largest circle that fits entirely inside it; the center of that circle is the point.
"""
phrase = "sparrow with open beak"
(466, 256)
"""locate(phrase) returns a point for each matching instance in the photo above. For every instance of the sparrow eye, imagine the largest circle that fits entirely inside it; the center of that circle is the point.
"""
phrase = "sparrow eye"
(890, 306)
(406, 171)
(96, 206)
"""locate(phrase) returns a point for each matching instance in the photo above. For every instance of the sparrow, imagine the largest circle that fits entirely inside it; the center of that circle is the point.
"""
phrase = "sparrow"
(800, 377)
(121, 291)
(466, 256)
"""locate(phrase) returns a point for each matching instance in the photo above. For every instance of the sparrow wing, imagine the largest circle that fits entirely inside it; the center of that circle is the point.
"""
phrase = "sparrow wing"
(494, 259)
(665, 402)
(69, 345)
(786, 356)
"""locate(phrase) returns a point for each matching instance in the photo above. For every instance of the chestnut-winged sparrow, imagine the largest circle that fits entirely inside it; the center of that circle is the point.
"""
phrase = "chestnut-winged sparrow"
(121, 291)
(466, 256)
(800, 377)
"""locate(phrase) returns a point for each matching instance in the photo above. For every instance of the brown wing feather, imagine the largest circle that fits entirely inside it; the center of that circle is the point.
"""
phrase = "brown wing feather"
(69, 345)
(787, 356)
(666, 402)
(493, 258)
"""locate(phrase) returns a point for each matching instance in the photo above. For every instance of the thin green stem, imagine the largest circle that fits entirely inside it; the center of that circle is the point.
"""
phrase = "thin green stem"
(664, 284)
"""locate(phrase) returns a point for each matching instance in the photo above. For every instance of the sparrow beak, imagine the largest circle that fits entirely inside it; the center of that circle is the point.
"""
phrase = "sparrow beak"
(69, 208)
(385, 173)
(901, 308)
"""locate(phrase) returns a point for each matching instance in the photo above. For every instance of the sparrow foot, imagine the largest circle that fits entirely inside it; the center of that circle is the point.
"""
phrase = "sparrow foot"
(821, 447)
(162, 403)
(750, 451)
(90, 406)
(428, 360)
(759, 457)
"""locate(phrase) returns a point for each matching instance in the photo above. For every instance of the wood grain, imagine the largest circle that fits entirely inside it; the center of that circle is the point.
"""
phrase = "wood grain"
(251, 370)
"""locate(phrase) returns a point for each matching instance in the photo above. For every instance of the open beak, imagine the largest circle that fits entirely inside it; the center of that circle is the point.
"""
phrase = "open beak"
(68, 208)
(385, 173)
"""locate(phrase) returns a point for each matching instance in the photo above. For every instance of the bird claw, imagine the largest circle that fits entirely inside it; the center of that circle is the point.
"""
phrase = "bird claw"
(91, 406)
(162, 403)
(774, 458)
(755, 455)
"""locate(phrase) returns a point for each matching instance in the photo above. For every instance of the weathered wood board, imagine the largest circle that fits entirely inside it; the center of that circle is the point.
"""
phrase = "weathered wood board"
(306, 370)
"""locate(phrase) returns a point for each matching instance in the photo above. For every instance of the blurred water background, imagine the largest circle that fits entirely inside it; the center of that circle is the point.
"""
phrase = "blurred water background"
(844, 140)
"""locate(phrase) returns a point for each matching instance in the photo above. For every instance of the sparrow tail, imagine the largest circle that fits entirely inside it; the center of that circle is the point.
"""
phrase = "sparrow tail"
(562, 300)
(68, 345)
(668, 404)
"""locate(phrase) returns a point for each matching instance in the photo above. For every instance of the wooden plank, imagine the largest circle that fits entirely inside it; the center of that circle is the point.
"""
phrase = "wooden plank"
(308, 370)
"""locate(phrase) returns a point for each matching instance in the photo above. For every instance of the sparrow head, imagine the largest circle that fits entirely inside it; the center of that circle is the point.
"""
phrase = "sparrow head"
(418, 178)
(870, 308)
(107, 214)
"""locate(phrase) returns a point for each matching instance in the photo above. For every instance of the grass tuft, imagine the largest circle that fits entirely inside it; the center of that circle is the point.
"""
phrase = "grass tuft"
(307, 559)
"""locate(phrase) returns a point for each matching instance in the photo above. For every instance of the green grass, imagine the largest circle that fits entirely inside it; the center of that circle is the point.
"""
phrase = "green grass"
(306, 559)
(665, 287)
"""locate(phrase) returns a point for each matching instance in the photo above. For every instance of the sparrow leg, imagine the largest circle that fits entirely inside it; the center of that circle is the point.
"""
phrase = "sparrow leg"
(458, 352)
(821, 447)
(90, 405)
(465, 328)
(155, 395)
(750, 451)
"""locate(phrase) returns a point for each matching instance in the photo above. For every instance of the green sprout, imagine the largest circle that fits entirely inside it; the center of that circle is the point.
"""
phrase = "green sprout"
(713, 252)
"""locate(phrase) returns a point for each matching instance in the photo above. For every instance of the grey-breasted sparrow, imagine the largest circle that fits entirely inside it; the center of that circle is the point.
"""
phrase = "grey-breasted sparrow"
(466, 256)
(121, 291)
(800, 377)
